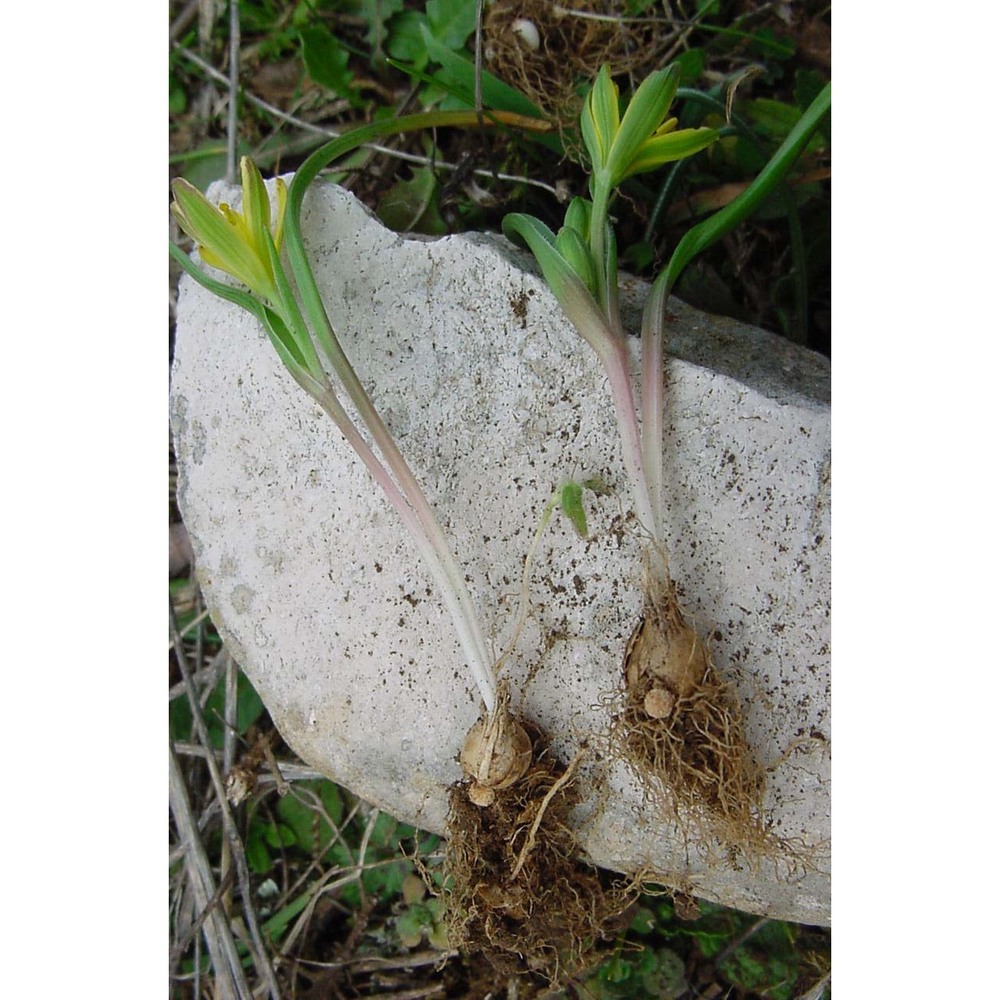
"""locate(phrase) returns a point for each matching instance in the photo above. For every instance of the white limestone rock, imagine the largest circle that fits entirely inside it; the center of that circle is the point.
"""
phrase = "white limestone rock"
(495, 401)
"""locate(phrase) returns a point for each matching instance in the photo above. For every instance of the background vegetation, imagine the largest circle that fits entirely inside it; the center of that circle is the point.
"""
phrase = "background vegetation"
(301, 890)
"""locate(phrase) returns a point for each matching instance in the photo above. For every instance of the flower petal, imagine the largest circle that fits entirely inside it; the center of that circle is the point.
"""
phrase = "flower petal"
(644, 115)
(281, 190)
(221, 235)
(660, 149)
(256, 209)
(599, 121)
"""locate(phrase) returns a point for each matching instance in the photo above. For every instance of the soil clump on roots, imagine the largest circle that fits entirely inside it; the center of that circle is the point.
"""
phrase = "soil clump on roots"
(517, 892)
(681, 730)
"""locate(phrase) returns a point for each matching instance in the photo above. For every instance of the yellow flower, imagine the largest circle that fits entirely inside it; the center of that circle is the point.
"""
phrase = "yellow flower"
(238, 243)
(644, 138)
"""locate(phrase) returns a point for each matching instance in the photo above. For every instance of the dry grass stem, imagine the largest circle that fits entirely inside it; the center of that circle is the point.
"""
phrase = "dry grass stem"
(258, 950)
(327, 133)
(218, 936)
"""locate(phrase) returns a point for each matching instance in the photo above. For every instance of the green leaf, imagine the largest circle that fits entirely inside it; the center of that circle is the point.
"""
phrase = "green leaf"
(644, 921)
(576, 252)
(599, 121)
(376, 13)
(808, 85)
(310, 831)
(178, 99)
(571, 504)
(775, 118)
(691, 64)
(326, 61)
(249, 708)
(388, 832)
(657, 151)
(278, 924)
(333, 801)
(766, 43)
(716, 226)
(575, 298)
(406, 41)
(412, 924)
(616, 970)
(258, 856)
(665, 978)
(386, 881)
(459, 72)
(283, 341)
(644, 114)
(412, 206)
(639, 256)
(452, 21)
(578, 214)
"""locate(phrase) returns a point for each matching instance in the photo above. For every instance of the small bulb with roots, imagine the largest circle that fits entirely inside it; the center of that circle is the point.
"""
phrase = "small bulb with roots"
(480, 795)
(496, 753)
(659, 703)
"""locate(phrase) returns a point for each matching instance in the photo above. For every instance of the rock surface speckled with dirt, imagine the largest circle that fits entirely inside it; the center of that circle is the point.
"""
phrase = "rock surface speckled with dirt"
(495, 401)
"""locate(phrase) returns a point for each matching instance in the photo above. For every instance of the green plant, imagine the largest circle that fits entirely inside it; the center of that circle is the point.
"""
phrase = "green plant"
(246, 245)
(580, 263)
(681, 724)
(421, 918)
(726, 37)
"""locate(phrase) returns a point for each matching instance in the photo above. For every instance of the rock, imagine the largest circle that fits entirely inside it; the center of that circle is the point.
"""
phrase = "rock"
(496, 401)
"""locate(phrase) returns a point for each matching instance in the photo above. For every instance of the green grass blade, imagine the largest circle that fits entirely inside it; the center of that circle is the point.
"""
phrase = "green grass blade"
(220, 288)
(716, 226)
(459, 78)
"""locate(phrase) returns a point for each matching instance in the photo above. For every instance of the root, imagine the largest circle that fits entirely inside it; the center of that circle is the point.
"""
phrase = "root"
(681, 730)
(539, 815)
(516, 891)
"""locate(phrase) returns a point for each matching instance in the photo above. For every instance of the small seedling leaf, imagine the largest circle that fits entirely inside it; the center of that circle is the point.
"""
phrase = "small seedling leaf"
(571, 504)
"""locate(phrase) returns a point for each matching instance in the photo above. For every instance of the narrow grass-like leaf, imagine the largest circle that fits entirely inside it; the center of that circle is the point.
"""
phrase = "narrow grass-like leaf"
(661, 149)
(644, 113)
(716, 226)
(460, 76)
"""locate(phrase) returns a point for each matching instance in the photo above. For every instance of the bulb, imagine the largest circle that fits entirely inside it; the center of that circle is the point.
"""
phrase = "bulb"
(496, 753)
